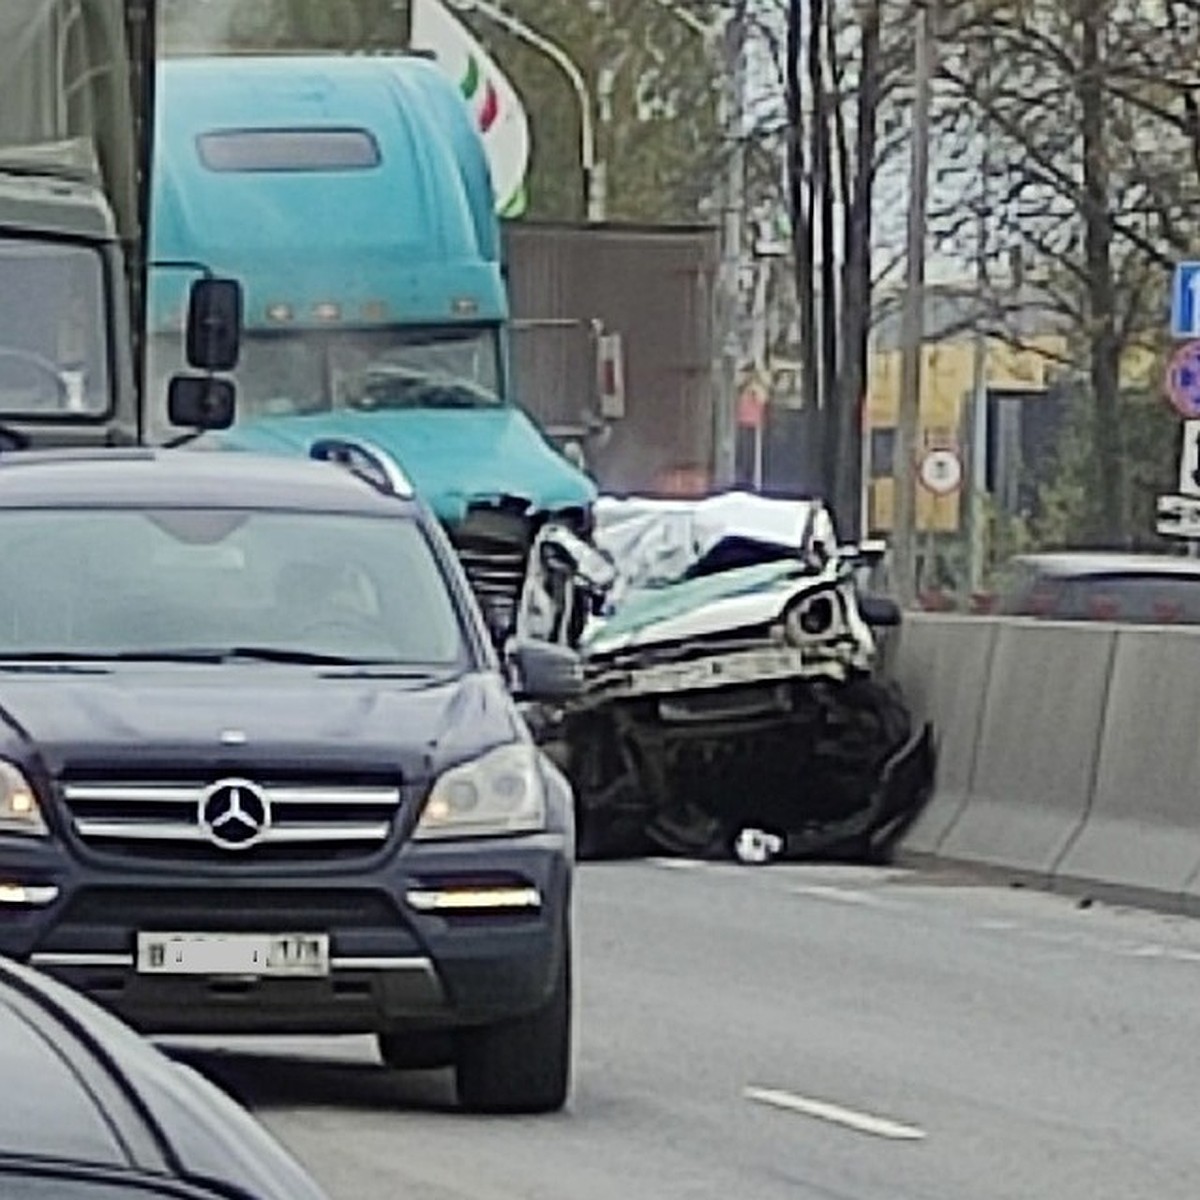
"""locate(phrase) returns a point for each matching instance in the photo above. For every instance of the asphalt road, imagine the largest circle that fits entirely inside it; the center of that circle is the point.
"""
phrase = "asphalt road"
(792, 1033)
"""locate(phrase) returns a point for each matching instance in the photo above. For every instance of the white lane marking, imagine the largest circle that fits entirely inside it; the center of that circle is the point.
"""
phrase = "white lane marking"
(678, 864)
(819, 891)
(822, 1110)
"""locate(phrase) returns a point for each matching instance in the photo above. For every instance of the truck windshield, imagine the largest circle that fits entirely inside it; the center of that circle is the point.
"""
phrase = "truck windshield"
(53, 344)
(301, 373)
(114, 583)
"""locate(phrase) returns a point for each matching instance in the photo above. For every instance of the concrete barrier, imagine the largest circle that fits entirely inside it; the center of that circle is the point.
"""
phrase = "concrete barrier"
(1142, 834)
(1037, 748)
(942, 665)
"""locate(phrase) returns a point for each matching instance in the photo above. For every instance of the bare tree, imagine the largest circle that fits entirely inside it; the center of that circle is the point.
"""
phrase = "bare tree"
(1094, 177)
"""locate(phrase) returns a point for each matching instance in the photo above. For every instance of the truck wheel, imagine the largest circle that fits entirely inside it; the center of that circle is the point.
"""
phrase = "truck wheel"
(521, 1066)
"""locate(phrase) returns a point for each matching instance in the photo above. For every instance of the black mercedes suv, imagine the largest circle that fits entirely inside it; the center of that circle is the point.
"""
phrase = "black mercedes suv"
(261, 770)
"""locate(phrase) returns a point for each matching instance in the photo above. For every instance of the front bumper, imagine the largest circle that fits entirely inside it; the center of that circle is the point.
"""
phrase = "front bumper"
(759, 666)
(393, 966)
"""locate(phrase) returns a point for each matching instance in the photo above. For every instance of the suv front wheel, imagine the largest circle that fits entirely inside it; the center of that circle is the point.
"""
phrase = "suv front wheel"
(524, 1065)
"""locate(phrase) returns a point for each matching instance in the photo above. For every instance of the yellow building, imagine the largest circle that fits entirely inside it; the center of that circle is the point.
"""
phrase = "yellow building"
(947, 379)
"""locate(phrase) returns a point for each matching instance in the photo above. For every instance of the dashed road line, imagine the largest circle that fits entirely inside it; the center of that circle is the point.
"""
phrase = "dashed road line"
(835, 1114)
(817, 891)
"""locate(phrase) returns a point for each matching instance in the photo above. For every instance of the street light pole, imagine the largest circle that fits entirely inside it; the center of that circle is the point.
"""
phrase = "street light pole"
(595, 173)
(904, 510)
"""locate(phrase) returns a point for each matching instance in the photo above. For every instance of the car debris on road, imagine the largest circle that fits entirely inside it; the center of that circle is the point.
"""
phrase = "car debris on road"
(732, 705)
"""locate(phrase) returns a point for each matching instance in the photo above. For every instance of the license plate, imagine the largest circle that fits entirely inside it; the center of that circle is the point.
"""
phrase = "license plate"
(288, 954)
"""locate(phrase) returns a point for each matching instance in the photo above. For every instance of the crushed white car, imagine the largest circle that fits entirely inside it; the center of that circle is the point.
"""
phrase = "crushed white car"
(731, 698)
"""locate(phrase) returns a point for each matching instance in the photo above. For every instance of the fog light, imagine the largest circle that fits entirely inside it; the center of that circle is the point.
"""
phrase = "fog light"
(25, 894)
(476, 899)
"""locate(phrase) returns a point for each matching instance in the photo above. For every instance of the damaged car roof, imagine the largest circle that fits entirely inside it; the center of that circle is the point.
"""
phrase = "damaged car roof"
(664, 541)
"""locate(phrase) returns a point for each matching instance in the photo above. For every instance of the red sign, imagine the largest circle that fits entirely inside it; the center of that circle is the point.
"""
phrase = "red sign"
(1183, 380)
(752, 407)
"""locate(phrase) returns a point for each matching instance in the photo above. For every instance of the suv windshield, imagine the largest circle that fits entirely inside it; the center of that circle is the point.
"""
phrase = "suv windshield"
(53, 352)
(127, 582)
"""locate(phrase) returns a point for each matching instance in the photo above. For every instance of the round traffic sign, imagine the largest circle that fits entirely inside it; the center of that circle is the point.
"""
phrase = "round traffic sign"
(1183, 380)
(941, 471)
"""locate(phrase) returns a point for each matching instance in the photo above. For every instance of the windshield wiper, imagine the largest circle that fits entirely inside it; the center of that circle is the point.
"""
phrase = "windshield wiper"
(188, 654)
(387, 390)
(94, 656)
(386, 671)
(278, 654)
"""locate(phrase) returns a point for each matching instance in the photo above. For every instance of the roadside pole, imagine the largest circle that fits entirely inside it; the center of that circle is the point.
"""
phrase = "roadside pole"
(729, 347)
(908, 419)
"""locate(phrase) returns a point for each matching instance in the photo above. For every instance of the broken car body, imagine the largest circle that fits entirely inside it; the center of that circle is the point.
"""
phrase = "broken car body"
(730, 682)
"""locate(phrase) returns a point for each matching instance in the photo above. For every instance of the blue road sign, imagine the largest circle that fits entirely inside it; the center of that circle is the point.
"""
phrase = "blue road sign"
(1185, 301)
(1183, 380)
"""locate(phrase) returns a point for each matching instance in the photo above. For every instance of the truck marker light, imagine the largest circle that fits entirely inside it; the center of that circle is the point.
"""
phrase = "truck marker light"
(327, 311)
(465, 306)
(279, 312)
(375, 310)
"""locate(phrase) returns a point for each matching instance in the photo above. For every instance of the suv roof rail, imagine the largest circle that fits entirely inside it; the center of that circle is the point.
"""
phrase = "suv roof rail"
(367, 461)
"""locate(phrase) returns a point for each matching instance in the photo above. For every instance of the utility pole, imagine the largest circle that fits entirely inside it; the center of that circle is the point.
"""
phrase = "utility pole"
(729, 349)
(975, 432)
(904, 523)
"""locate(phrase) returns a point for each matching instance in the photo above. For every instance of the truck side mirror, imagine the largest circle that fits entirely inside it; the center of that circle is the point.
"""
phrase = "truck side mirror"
(201, 402)
(214, 324)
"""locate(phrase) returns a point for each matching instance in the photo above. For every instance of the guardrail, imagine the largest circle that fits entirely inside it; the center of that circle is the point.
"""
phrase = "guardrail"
(1068, 753)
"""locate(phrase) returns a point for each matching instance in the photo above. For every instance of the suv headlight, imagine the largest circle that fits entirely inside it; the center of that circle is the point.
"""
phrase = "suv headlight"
(816, 616)
(498, 794)
(19, 808)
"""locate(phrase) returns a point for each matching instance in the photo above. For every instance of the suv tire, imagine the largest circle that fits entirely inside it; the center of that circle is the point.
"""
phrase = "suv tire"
(524, 1065)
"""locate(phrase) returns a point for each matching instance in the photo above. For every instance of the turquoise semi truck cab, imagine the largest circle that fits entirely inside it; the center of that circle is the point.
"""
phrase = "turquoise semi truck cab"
(351, 198)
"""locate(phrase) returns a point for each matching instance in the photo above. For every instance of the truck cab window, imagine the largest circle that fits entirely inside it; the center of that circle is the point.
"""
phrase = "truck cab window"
(53, 348)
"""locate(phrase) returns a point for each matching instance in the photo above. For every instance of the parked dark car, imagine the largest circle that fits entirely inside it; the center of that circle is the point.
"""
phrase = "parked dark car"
(93, 1112)
(261, 770)
(1144, 589)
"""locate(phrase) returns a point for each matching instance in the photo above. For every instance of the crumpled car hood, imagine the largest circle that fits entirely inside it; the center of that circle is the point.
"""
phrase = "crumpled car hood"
(691, 571)
(744, 598)
(453, 457)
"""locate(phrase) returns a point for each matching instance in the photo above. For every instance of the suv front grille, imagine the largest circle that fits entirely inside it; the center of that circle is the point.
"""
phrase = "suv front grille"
(164, 819)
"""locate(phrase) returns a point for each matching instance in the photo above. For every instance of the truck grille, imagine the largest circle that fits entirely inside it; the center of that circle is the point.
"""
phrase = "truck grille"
(496, 577)
(168, 820)
(493, 546)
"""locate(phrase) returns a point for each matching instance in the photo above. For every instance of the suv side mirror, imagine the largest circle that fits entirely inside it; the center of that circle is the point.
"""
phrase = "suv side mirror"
(548, 672)
(879, 612)
(214, 324)
(200, 402)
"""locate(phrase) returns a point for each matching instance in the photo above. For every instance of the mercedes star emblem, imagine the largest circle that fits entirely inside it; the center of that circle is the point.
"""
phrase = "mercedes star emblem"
(235, 814)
